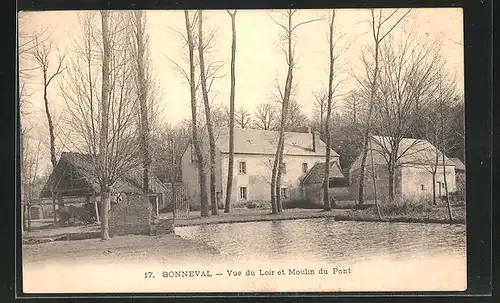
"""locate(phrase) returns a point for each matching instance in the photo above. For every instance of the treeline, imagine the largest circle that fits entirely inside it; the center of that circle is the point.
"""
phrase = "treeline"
(112, 98)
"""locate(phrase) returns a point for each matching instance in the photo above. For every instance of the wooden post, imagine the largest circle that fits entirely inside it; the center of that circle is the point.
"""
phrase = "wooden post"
(53, 207)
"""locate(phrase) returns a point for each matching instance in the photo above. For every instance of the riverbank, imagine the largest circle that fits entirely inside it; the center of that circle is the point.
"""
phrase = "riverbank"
(254, 215)
(405, 215)
(389, 214)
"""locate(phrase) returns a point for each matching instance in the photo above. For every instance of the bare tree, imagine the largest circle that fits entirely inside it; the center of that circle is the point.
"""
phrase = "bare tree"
(440, 126)
(320, 98)
(265, 116)
(41, 53)
(194, 128)
(289, 29)
(326, 182)
(220, 116)
(143, 87)
(229, 184)
(296, 120)
(242, 117)
(372, 74)
(102, 116)
(407, 76)
(202, 45)
(190, 38)
(29, 178)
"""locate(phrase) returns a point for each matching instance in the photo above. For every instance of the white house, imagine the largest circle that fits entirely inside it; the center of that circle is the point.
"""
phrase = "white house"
(416, 162)
(254, 152)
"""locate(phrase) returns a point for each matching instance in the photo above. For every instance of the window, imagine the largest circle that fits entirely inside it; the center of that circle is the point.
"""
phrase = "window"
(304, 168)
(242, 167)
(243, 193)
(283, 168)
(284, 193)
(422, 187)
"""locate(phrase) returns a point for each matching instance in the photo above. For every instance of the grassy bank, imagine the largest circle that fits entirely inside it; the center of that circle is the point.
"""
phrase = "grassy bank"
(406, 213)
(390, 213)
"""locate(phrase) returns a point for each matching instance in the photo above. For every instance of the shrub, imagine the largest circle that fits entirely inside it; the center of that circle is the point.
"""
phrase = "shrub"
(74, 215)
(406, 206)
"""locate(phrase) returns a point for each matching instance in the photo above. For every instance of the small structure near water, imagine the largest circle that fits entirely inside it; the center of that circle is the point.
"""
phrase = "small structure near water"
(75, 179)
(312, 184)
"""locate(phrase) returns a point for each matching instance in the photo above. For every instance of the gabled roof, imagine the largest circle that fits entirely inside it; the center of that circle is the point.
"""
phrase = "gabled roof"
(86, 180)
(254, 141)
(410, 152)
(459, 165)
(317, 173)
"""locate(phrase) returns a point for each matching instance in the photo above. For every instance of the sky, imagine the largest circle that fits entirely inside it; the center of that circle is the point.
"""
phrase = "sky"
(259, 62)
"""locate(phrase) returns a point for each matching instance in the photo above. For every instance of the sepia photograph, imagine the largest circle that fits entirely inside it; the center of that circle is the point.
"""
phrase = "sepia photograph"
(242, 151)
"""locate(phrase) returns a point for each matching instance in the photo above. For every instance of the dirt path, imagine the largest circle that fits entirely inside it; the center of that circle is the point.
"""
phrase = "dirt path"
(118, 249)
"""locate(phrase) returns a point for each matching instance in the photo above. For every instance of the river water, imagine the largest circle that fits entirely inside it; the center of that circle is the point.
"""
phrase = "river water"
(328, 240)
(390, 256)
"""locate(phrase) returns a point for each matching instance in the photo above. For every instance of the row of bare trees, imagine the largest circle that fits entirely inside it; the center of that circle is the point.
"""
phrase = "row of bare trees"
(110, 93)
(404, 92)
(112, 97)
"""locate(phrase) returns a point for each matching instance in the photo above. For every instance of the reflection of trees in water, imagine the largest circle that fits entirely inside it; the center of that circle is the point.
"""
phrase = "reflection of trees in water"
(279, 241)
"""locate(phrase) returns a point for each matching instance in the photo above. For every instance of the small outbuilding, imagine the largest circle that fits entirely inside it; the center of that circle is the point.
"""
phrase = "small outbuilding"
(75, 178)
(312, 183)
(418, 168)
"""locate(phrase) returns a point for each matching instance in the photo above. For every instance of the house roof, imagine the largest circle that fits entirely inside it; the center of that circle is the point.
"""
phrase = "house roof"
(317, 173)
(87, 181)
(459, 165)
(254, 141)
(410, 152)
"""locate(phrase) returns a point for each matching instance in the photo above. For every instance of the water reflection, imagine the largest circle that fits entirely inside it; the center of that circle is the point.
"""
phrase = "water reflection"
(319, 240)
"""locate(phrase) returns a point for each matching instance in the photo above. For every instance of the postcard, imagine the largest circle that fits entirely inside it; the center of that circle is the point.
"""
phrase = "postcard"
(224, 151)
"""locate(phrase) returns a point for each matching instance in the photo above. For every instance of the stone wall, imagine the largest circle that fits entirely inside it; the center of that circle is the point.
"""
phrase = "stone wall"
(130, 216)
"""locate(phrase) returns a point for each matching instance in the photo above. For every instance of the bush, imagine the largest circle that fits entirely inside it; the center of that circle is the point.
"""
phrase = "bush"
(406, 206)
(74, 215)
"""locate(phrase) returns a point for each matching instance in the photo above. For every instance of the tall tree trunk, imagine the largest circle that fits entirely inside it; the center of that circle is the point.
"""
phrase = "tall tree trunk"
(206, 102)
(278, 159)
(103, 136)
(53, 159)
(447, 196)
(377, 39)
(434, 188)
(374, 178)
(326, 182)
(194, 127)
(434, 171)
(279, 202)
(105, 205)
(443, 151)
(391, 184)
(229, 185)
(142, 94)
(367, 131)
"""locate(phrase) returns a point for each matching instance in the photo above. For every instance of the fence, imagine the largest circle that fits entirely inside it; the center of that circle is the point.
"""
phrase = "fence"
(176, 200)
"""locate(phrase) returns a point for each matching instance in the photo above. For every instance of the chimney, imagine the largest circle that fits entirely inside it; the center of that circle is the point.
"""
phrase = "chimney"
(315, 141)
